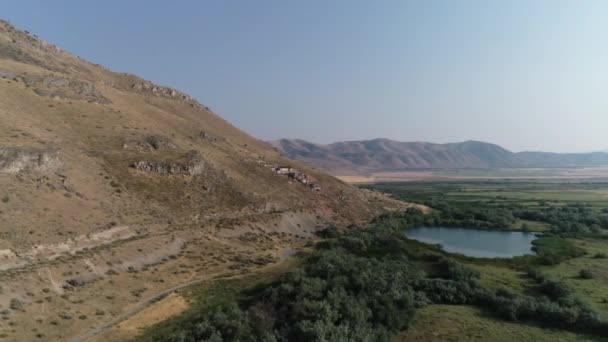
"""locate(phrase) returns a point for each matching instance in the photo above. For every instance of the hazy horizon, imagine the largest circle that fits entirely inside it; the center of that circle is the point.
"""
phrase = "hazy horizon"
(524, 75)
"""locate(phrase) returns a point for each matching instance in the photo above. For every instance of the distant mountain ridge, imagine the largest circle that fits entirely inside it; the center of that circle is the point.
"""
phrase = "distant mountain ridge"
(384, 155)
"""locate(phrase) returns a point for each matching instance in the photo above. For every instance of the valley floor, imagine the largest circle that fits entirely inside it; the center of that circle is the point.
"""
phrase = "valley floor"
(554, 174)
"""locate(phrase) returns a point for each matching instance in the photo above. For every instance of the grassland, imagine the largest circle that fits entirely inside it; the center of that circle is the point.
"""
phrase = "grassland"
(594, 290)
(533, 195)
(529, 193)
(466, 323)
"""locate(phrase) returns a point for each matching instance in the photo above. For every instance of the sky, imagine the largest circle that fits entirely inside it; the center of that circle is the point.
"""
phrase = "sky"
(527, 75)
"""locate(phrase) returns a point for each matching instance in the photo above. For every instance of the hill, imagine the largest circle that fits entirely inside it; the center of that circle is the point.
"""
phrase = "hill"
(114, 189)
(384, 155)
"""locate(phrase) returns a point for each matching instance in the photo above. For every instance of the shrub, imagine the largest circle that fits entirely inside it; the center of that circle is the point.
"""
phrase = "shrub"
(329, 232)
(585, 274)
(536, 275)
(454, 270)
(16, 304)
(555, 289)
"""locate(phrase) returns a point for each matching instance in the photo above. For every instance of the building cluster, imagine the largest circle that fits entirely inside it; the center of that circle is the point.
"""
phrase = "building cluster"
(298, 176)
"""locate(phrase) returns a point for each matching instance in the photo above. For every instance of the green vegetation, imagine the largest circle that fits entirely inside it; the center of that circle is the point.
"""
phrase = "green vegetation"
(563, 208)
(351, 288)
(374, 284)
(569, 215)
(467, 323)
(366, 285)
(585, 274)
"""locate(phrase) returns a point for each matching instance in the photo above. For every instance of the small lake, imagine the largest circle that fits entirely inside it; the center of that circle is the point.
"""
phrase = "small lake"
(476, 242)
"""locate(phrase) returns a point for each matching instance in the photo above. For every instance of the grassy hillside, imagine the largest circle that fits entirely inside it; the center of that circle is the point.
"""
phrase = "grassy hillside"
(114, 189)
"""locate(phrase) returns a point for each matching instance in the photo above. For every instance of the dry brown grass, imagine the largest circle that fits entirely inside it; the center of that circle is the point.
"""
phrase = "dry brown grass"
(184, 227)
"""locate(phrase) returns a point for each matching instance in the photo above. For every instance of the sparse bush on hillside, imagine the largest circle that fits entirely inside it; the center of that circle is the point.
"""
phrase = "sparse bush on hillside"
(16, 304)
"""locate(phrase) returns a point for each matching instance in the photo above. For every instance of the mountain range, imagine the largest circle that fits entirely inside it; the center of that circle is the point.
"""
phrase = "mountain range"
(384, 155)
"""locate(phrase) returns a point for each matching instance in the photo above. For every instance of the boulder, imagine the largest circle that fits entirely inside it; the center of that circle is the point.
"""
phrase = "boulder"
(190, 165)
(63, 88)
(15, 160)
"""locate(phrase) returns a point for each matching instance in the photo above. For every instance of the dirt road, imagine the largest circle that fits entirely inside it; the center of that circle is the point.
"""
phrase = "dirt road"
(158, 296)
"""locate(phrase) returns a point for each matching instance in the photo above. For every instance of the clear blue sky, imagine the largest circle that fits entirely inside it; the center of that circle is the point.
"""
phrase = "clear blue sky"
(529, 75)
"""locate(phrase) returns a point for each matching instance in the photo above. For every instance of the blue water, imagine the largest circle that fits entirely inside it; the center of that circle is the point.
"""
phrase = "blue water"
(475, 242)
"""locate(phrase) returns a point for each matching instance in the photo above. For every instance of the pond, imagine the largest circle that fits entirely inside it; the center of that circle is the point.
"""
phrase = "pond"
(476, 242)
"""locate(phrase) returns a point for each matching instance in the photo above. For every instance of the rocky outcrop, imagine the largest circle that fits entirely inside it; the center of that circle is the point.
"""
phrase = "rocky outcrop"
(206, 136)
(192, 164)
(150, 143)
(54, 86)
(156, 90)
(15, 160)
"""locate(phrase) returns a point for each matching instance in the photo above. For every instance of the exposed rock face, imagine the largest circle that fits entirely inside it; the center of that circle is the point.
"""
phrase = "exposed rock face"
(191, 165)
(53, 86)
(152, 89)
(14, 160)
(149, 143)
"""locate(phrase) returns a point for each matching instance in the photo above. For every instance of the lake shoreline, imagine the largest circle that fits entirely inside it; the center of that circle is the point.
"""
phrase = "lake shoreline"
(476, 243)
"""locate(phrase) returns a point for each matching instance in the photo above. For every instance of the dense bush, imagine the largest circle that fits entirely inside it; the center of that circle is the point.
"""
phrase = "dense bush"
(329, 232)
(600, 256)
(559, 307)
(575, 217)
(340, 296)
(362, 286)
(343, 292)
(454, 270)
(498, 213)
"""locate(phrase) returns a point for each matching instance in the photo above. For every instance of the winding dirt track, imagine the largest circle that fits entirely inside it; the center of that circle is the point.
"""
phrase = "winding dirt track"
(159, 295)
(140, 306)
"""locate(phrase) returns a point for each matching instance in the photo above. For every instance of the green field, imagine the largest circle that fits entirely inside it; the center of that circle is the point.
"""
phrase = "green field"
(594, 290)
(458, 323)
(466, 323)
(563, 174)
(525, 193)
(519, 173)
